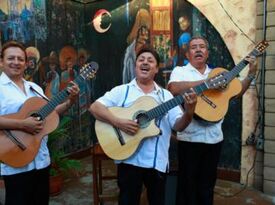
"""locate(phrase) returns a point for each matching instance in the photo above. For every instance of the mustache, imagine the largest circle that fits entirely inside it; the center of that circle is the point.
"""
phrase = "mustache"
(199, 54)
(145, 66)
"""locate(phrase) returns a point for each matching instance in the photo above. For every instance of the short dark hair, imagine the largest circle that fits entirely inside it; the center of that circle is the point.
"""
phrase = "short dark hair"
(13, 44)
(198, 37)
(149, 49)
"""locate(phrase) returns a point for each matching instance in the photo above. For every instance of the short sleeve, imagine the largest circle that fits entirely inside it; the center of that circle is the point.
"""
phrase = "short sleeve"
(113, 97)
(176, 75)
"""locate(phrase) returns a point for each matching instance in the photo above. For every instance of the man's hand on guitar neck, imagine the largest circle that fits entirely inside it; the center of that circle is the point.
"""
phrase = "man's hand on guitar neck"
(252, 65)
(251, 74)
(73, 90)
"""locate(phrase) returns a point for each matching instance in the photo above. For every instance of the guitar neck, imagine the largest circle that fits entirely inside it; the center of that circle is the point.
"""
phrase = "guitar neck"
(168, 105)
(56, 100)
(240, 66)
(236, 70)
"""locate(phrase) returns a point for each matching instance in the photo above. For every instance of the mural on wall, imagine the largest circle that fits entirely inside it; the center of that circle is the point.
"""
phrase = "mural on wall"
(66, 55)
(98, 20)
(110, 33)
(23, 20)
(52, 78)
(115, 50)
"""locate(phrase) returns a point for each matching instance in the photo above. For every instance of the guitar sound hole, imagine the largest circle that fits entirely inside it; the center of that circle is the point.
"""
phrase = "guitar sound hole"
(36, 115)
(143, 120)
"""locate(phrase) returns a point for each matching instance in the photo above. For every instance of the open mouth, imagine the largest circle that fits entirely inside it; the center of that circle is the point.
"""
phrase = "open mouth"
(144, 68)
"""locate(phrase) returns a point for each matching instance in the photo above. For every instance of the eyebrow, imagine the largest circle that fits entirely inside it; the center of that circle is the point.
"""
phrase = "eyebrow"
(149, 57)
(13, 55)
(199, 44)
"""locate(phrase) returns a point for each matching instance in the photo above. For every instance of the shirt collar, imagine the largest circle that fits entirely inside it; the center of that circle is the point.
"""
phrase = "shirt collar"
(4, 79)
(156, 86)
(207, 70)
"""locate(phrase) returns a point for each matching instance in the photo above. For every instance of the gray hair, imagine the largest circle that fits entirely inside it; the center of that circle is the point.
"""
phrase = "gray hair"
(198, 37)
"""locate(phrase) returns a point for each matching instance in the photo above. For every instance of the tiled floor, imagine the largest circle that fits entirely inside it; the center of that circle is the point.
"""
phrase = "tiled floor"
(78, 190)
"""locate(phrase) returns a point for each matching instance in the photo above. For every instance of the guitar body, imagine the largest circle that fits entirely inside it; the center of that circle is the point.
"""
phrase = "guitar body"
(10, 153)
(108, 138)
(212, 104)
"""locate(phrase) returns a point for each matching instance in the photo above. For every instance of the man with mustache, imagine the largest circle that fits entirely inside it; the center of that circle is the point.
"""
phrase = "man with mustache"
(149, 164)
(199, 145)
(29, 184)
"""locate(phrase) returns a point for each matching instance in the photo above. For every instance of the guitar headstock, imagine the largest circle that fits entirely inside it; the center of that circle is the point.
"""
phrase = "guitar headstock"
(259, 48)
(89, 70)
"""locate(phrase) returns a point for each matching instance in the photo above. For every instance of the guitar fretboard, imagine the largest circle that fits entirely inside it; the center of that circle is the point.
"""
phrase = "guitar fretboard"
(239, 67)
(168, 105)
(258, 50)
(56, 100)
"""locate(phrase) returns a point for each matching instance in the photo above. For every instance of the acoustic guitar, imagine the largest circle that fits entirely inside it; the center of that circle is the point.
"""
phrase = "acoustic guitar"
(119, 145)
(18, 148)
(212, 104)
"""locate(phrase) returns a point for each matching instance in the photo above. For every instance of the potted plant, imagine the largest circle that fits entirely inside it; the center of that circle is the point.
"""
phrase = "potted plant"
(60, 164)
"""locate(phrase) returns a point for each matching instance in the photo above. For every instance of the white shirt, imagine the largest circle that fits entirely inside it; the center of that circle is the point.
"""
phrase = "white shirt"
(12, 98)
(196, 131)
(153, 151)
